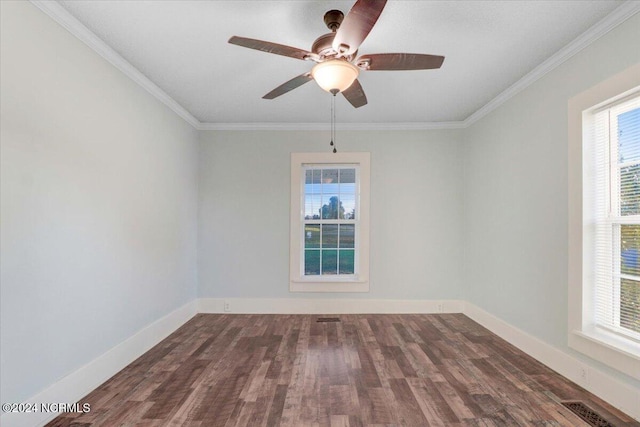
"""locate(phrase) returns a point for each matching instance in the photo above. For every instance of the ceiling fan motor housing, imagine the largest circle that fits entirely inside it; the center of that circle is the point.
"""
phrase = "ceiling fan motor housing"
(323, 47)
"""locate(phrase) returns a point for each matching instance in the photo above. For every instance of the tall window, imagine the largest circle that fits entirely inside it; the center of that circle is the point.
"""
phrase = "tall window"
(329, 222)
(330, 219)
(604, 221)
(616, 136)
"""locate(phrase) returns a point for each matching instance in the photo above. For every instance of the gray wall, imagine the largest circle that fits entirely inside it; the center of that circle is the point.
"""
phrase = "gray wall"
(515, 162)
(416, 220)
(98, 205)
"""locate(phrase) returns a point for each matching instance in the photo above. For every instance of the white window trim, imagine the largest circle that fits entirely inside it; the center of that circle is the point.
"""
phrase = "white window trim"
(300, 283)
(609, 348)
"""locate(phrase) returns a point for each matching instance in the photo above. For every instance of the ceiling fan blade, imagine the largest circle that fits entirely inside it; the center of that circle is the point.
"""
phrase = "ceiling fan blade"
(399, 61)
(355, 94)
(356, 25)
(289, 86)
(278, 49)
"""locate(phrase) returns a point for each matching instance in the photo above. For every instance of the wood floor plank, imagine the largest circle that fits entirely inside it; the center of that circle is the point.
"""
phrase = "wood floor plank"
(409, 412)
(441, 370)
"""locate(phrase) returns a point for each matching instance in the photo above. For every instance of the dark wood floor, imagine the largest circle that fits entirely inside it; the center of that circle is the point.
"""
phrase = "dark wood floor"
(279, 370)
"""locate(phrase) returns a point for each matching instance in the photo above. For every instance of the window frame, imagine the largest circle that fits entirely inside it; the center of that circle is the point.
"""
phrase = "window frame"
(359, 282)
(614, 217)
(614, 350)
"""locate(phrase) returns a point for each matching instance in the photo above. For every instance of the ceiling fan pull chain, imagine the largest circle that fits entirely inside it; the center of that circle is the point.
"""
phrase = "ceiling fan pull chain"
(333, 121)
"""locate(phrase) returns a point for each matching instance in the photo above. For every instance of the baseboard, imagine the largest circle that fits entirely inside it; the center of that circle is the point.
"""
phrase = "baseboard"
(326, 306)
(79, 383)
(622, 396)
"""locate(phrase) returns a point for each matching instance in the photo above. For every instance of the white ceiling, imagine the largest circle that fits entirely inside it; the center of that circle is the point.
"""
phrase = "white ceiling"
(181, 46)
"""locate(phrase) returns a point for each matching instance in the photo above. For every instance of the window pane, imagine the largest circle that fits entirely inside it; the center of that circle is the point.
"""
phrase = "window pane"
(630, 305)
(330, 184)
(332, 207)
(630, 190)
(347, 176)
(348, 192)
(312, 203)
(347, 235)
(312, 181)
(330, 176)
(330, 236)
(330, 262)
(311, 262)
(312, 236)
(348, 205)
(629, 136)
(630, 249)
(347, 261)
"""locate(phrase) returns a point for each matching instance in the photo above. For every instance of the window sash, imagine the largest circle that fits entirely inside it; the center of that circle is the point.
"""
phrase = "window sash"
(322, 221)
(609, 221)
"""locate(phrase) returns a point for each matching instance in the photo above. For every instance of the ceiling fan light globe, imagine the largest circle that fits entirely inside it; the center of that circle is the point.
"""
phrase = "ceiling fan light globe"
(335, 74)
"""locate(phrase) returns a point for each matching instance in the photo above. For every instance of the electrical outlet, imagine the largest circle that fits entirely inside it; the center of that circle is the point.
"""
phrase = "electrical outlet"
(227, 306)
(440, 307)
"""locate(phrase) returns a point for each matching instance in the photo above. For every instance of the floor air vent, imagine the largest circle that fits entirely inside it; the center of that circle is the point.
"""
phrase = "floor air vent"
(328, 319)
(589, 415)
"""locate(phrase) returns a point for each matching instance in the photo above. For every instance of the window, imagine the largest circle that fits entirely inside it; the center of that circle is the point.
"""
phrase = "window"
(616, 163)
(329, 222)
(330, 219)
(604, 222)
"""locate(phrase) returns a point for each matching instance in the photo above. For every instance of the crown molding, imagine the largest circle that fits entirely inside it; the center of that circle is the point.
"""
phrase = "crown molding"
(327, 126)
(606, 24)
(59, 14)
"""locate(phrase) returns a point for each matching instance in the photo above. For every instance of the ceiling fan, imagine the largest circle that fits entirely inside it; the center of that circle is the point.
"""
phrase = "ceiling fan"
(335, 53)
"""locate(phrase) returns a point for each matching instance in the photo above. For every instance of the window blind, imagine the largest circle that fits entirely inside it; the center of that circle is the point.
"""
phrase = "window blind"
(615, 133)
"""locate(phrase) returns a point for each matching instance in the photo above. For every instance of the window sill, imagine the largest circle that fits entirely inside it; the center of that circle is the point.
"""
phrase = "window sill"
(339, 285)
(608, 348)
